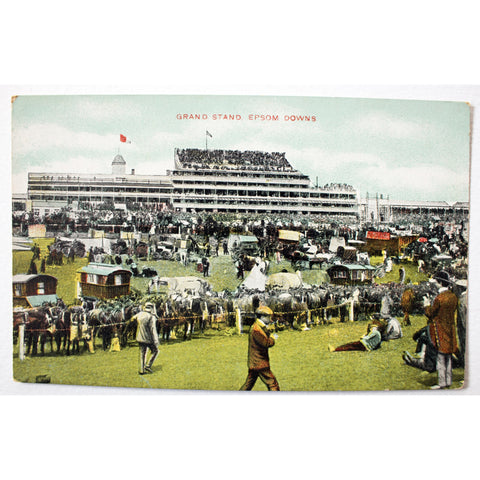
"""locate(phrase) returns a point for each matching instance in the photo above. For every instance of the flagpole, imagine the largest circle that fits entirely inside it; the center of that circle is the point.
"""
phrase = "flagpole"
(206, 141)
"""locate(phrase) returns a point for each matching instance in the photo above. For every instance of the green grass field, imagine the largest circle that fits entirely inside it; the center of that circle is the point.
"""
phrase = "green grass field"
(301, 361)
(222, 272)
(216, 361)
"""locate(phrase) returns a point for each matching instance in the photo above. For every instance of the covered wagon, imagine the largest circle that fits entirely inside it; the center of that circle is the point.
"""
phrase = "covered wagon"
(34, 290)
(284, 281)
(103, 281)
(243, 245)
(351, 274)
(190, 285)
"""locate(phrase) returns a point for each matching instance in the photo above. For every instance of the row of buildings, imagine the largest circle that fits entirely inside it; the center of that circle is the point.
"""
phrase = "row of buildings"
(218, 181)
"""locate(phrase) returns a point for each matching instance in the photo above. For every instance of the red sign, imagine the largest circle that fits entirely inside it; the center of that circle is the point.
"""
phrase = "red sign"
(378, 235)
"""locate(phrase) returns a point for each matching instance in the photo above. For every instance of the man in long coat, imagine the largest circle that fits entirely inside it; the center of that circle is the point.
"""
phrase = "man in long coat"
(441, 321)
(259, 342)
(147, 337)
(461, 292)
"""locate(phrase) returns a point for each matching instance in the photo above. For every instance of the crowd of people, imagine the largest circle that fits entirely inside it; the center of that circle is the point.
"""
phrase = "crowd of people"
(233, 160)
(339, 187)
(436, 347)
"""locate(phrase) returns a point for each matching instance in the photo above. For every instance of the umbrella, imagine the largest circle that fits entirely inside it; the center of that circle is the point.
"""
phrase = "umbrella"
(422, 239)
(433, 240)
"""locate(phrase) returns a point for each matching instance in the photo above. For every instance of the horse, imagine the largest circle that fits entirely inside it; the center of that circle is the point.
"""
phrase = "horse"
(76, 322)
(36, 325)
(97, 319)
(180, 313)
(58, 328)
(290, 308)
(129, 327)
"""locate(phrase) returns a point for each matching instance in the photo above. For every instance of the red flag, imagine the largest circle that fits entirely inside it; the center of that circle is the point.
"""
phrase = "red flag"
(123, 139)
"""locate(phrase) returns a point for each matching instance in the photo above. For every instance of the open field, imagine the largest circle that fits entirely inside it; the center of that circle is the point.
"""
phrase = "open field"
(222, 272)
(214, 361)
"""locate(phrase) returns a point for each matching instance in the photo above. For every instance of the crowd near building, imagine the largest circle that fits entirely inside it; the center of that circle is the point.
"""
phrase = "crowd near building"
(219, 181)
(256, 208)
(202, 181)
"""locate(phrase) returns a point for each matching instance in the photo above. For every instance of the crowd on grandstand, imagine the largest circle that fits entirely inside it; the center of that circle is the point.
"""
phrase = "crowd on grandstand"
(233, 160)
(338, 187)
(420, 219)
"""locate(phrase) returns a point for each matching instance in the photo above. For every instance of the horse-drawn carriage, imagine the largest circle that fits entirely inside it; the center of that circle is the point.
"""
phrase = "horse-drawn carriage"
(103, 281)
(33, 290)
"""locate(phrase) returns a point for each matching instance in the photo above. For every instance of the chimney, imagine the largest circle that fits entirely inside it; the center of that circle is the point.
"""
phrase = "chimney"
(133, 171)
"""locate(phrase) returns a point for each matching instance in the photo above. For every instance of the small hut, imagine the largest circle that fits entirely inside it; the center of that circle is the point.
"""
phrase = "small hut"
(351, 274)
(34, 290)
(101, 280)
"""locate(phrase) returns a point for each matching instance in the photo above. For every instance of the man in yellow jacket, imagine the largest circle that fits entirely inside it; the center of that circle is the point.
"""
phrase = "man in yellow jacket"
(259, 342)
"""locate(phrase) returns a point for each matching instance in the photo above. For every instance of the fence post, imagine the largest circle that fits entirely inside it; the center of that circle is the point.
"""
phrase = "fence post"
(238, 320)
(21, 341)
(351, 313)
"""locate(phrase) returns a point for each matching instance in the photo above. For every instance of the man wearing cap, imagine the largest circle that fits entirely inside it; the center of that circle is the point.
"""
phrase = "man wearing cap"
(147, 337)
(259, 341)
(441, 322)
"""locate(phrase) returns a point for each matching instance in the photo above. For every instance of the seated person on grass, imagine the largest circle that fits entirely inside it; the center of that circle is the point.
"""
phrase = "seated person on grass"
(392, 330)
(371, 341)
(426, 354)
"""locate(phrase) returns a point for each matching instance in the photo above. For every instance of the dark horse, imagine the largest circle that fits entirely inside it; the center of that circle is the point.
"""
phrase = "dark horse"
(36, 329)
(181, 313)
(78, 329)
(129, 327)
(58, 328)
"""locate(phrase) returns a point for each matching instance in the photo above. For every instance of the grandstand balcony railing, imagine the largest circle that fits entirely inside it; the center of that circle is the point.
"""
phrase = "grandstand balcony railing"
(293, 207)
(74, 181)
(240, 179)
(295, 197)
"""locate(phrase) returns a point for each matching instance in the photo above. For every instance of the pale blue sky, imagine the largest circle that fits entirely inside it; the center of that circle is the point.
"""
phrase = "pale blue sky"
(413, 150)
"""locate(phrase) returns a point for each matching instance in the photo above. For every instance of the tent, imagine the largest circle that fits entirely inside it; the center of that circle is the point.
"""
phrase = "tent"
(284, 281)
(336, 242)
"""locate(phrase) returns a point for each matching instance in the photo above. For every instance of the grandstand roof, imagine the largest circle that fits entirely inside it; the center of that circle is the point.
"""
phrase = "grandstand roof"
(424, 203)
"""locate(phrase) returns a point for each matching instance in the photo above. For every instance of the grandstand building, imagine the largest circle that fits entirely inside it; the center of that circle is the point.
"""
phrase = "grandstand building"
(381, 208)
(202, 181)
(52, 191)
(220, 181)
(252, 182)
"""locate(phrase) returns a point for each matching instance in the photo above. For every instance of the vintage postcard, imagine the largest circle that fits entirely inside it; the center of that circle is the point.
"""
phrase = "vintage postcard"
(238, 243)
